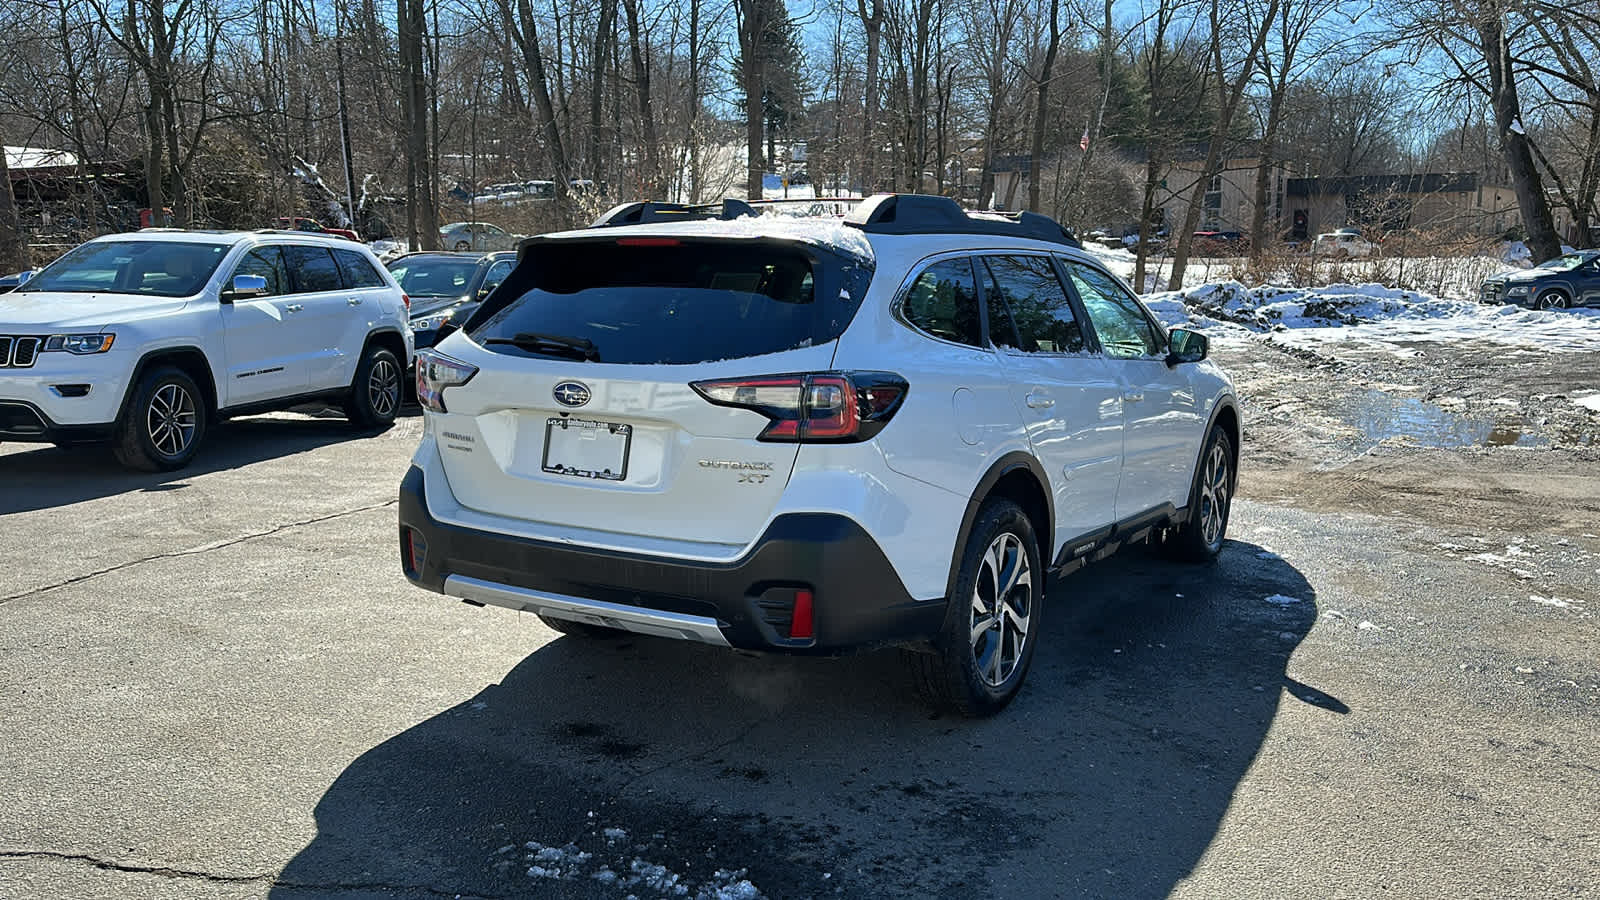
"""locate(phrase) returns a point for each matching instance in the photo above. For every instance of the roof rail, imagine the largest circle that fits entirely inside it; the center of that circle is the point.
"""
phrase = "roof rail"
(929, 214)
(642, 212)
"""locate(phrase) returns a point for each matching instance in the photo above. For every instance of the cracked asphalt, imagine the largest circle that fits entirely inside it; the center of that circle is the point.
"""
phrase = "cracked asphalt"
(217, 684)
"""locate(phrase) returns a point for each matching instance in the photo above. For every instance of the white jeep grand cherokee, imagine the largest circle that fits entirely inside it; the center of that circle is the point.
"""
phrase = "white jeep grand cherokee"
(145, 339)
(806, 436)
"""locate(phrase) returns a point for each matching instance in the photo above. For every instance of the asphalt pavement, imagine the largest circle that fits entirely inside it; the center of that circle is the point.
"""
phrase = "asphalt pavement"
(218, 684)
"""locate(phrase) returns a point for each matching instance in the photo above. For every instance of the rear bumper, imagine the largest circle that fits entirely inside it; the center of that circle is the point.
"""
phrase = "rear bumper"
(26, 423)
(859, 599)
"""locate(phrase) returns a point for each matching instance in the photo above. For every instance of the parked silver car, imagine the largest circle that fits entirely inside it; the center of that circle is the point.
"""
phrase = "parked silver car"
(479, 236)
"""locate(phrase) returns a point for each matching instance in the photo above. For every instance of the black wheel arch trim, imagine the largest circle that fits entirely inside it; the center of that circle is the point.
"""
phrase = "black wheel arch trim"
(1237, 439)
(1011, 462)
(208, 387)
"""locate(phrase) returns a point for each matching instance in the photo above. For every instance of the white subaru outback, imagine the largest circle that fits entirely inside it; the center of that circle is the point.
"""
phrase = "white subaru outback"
(145, 339)
(806, 436)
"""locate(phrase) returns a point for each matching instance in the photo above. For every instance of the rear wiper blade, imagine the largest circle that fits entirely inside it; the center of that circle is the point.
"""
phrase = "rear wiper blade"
(539, 342)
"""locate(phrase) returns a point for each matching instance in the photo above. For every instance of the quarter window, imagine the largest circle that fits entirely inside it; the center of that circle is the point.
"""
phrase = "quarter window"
(358, 272)
(942, 302)
(1028, 287)
(266, 262)
(313, 269)
(1124, 330)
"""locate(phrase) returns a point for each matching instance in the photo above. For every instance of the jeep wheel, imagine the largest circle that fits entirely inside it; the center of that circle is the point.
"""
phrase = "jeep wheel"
(163, 423)
(374, 398)
(981, 655)
(1210, 500)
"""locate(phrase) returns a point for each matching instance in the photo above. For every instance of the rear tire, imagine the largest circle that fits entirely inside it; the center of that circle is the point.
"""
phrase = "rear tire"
(1200, 539)
(981, 654)
(577, 629)
(165, 420)
(375, 394)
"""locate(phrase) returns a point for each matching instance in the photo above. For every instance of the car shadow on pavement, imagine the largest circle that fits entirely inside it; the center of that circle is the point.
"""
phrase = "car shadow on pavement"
(600, 767)
(47, 476)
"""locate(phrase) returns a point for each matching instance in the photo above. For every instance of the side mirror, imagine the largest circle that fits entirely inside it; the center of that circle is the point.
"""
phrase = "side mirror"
(1187, 346)
(245, 287)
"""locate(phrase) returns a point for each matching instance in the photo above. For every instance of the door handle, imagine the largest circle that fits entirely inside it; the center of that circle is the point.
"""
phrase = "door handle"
(295, 307)
(354, 301)
(1038, 401)
(1133, 396)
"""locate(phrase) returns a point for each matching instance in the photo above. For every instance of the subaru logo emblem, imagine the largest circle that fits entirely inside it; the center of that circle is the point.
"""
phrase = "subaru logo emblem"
(572, 393)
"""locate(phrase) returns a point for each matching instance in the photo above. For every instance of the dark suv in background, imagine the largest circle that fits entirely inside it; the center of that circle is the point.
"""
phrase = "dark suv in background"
(445, 286)
(1569, 280)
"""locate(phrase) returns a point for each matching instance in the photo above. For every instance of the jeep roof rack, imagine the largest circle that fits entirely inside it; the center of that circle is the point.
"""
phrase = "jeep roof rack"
(642, 212)
(930, 214)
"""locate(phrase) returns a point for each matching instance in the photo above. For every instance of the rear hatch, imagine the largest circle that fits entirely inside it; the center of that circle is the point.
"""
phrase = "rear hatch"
(583, 413)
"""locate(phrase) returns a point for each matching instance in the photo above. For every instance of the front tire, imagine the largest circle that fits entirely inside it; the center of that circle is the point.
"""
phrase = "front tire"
(165, 420)
(983, 651)
(375, 393)
(1210, 501)
(1552, 300)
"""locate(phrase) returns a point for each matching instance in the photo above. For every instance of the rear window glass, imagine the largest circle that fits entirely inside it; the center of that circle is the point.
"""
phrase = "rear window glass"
(358, 273)
(674, 304)
(313, 269)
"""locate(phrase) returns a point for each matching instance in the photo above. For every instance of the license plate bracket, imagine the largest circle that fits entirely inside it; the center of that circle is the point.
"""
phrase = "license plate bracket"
(584, 448)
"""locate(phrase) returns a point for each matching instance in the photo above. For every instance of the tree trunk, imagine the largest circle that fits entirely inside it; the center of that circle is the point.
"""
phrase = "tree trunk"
(14, 254)
(1259, 235)
(647, 120)
(1531, 199)
(752, 26)
(599, 59)
(1041, 107)
(527, 38)
(873, 23)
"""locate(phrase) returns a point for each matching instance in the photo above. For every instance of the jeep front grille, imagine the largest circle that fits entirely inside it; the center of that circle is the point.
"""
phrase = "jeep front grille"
(19, 351)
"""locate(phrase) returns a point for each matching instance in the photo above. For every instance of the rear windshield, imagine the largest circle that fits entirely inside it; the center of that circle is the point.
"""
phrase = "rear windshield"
(671, 303)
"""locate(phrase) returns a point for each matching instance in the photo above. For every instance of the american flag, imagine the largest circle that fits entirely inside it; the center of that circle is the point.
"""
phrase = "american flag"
(1083, 142)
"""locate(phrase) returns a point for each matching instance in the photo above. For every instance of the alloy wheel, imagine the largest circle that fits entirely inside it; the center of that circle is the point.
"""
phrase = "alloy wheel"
(1214, 487)
(171, 420)
(1002, 605)
(383, 388)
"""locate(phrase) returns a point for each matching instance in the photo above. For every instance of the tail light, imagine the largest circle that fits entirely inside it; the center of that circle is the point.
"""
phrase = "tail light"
(406, 299)
(824, 407)
(435, 372)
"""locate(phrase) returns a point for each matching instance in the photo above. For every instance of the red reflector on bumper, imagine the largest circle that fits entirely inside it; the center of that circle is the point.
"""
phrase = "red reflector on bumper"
(800, 621)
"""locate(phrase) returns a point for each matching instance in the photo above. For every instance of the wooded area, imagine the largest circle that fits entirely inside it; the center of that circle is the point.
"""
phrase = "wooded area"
(397, 115)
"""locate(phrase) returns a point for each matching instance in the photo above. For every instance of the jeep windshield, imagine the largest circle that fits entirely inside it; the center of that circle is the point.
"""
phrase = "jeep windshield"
(654, 300)
(148, 268)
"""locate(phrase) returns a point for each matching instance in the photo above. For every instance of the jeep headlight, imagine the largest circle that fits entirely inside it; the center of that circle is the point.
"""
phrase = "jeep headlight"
(80, 344)
(1517, 290)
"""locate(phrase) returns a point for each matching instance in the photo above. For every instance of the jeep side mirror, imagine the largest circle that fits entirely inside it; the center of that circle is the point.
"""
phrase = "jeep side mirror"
(245, 287)
(1187, 346)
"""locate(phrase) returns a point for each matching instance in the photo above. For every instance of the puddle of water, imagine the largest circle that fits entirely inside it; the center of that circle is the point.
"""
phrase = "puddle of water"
(1381, 416)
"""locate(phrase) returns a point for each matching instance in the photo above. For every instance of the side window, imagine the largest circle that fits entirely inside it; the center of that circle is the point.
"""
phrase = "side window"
(266, 262)
(1039, 307)
(1124, 330)
(496, 274)
(312, 269)
(943, 303)
(358, 273)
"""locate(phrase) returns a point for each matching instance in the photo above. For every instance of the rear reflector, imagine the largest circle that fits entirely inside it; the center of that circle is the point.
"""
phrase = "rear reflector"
(415, 552)
(800, 625)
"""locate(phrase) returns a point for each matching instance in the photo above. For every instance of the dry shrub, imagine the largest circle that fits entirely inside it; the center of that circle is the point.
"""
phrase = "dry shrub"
(1444, 263)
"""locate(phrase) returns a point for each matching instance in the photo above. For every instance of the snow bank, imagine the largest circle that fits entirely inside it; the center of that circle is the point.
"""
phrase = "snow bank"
(1370, 313)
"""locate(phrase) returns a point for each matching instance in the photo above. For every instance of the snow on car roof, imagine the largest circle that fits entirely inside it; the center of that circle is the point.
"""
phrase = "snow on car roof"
(831, 234)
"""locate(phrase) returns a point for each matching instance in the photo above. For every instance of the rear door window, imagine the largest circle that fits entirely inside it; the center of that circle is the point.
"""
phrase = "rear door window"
(1042, 314)
(654, 300)
(312, 269)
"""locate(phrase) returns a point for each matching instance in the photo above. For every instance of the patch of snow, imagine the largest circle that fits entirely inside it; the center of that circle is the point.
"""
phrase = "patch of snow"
(1365, 625)
(1267, 554)
(614, 835)
(657, 878)
(1283, 600)
(1558, 602)
(1591, 402)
